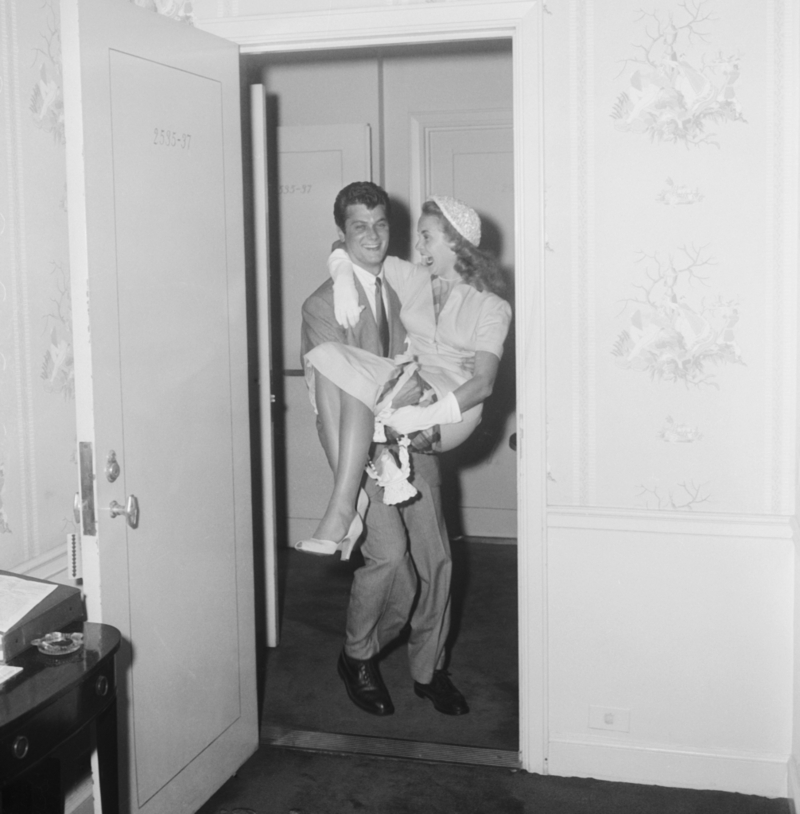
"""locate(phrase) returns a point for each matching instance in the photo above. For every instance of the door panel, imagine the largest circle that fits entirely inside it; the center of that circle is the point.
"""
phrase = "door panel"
(314, 163)
(474, 161)
(258, 132)
(156, 250)
(170, 231)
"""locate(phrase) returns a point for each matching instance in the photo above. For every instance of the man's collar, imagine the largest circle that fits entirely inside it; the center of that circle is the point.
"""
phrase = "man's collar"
(366, 277)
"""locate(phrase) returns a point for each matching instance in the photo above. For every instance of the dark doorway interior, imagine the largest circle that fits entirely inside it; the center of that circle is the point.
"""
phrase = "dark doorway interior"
(303, 691)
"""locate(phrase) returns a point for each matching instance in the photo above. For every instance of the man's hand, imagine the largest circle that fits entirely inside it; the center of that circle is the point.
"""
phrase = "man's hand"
(412, 419)
(410, 393)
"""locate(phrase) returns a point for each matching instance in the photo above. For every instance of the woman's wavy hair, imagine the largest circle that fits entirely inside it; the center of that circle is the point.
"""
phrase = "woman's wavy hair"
(476, 267)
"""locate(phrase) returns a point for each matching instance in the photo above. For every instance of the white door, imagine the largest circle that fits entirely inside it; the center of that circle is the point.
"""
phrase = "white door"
(314, 163)
(470, 155)
(158, 295)
(258, 133)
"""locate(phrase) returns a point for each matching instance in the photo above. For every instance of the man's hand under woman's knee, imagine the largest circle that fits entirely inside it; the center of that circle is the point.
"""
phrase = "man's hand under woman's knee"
(409, 394)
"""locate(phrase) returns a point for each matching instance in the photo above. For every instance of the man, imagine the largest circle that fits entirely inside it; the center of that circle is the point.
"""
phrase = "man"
(403, 541)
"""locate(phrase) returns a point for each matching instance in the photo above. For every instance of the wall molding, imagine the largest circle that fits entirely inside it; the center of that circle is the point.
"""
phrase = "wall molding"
(773, 527)
(654, 764)
(355, 27)
(425, 124)
(52, 565)
(481, 521)
(793, 783)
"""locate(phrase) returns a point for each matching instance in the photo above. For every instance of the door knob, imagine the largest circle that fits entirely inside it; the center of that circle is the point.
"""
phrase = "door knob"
(130, 510)
(112, 466)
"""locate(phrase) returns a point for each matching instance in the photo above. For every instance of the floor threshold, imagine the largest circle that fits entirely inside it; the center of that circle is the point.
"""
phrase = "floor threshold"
(387, 747)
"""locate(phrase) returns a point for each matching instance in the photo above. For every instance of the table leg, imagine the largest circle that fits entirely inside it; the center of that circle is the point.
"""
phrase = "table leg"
(107, 758)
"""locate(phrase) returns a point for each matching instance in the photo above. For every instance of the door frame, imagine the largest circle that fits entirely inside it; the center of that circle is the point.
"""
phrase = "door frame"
(521, 22)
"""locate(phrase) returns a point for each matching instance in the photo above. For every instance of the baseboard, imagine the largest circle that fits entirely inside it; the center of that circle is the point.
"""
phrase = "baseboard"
(51, 565)
(705, 524)
(652, 765)
(793, 782)
(302, 528)
(478, 521)
(502, 523)
(80, 799)
(485, 540)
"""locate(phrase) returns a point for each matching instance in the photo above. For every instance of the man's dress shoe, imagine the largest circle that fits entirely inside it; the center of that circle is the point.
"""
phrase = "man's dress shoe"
(364, 685)
(446, 698)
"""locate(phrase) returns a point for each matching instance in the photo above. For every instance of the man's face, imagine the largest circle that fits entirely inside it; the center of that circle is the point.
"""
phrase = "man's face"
(366, 236)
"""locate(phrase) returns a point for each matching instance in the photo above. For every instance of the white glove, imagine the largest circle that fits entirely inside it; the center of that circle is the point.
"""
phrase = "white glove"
(345, 296)
(412, 419)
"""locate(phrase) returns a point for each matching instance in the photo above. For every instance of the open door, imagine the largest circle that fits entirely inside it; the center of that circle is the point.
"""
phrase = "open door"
(258, 129)
(313, 163)
(158, 297)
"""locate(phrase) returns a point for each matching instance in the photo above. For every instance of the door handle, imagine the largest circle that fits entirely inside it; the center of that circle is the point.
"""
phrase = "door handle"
(130, 510)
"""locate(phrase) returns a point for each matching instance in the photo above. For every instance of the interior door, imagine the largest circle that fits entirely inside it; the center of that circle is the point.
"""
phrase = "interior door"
(314, 163)
(470, 155)
(158, 295)
(258, 132)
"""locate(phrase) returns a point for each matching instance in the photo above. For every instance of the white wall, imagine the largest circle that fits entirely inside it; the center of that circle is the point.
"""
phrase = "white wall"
(671, 575)
(673, 239)
(690, 635)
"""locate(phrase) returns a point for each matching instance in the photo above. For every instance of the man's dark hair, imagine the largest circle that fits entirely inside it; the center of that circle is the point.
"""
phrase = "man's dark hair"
(359, 192)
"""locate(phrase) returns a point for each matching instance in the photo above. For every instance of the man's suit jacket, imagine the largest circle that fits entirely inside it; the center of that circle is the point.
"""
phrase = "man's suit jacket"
(320, 325)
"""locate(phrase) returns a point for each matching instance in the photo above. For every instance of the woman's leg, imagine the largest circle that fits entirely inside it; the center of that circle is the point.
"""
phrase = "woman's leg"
(347, 428)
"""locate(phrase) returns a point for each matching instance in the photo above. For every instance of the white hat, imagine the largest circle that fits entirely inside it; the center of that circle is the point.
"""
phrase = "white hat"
(463, 218)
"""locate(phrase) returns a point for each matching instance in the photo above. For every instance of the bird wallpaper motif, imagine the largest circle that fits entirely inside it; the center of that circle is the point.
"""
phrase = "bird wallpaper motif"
(671, 276)
(669, 130)
(678, 91)
(38, 469)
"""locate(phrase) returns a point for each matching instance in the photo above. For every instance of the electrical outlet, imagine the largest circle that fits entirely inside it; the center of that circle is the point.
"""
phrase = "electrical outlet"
(618, 720)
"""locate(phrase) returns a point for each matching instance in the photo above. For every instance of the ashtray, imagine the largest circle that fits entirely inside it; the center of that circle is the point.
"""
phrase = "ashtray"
(59, 644)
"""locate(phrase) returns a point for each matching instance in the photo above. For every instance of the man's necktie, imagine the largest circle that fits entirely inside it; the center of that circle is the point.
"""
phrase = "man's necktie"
(380, 317)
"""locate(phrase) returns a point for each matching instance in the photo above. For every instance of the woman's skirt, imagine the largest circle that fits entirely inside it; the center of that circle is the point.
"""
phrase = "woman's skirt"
(369, 378)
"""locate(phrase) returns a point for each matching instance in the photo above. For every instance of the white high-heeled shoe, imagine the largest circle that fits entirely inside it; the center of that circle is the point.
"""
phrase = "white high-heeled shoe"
(314, 545)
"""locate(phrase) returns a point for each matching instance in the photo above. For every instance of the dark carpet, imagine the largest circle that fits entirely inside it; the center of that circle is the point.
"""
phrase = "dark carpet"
(281, 781)
(303, 690)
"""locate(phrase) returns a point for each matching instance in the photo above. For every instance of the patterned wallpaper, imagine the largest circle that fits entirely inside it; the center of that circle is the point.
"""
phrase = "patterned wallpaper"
(671, 262)
(37, 424)
(671, 225)
(38, 474)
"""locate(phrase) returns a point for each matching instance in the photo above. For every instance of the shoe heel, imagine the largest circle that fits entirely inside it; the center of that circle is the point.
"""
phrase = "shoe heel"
(350, 540)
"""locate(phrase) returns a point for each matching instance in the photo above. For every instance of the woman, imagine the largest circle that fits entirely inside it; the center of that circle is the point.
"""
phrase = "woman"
(456, 323)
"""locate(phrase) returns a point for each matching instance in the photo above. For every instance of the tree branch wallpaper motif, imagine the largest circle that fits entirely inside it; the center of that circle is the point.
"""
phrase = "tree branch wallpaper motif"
(678, 93)
(671, 305)
(47, 96)
(37, 412)
(675, 334)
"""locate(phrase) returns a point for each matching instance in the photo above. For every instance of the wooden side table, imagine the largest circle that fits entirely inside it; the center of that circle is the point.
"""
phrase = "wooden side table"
(51, 702)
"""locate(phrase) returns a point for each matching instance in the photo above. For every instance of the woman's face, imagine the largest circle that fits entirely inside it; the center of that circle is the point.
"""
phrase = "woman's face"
(434, 250)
